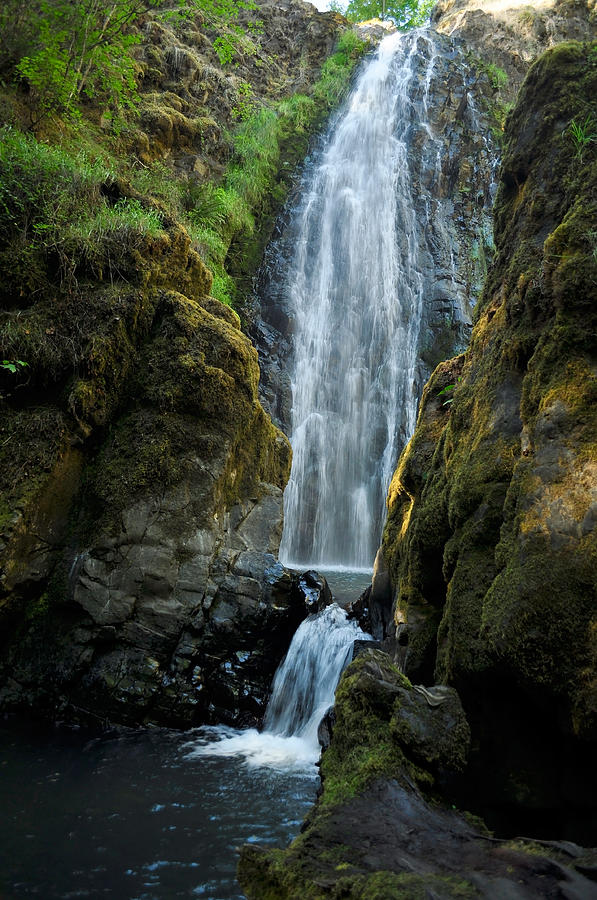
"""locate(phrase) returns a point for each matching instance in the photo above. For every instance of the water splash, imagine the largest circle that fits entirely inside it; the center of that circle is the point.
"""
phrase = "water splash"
(356, 290)
(302, 691)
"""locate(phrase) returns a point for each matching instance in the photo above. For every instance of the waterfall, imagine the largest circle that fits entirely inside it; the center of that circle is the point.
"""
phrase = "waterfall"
(302, 691)
(356, 288)
(306, 679)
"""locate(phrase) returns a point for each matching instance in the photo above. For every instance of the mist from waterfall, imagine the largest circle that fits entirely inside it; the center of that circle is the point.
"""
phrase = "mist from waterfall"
(356, 289)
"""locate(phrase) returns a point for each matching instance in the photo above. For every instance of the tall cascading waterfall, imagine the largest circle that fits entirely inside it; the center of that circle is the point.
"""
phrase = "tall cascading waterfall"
(372, 239)
(356, 288)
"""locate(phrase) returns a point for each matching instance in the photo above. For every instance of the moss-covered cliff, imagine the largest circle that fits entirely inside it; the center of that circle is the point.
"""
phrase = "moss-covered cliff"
(141, 480)
(491, 540)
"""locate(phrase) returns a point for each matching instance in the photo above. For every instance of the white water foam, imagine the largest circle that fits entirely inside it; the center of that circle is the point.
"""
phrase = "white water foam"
(302, 692)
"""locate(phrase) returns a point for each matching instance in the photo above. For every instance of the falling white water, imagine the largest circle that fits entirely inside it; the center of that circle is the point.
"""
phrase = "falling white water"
(356, 290)
(303, 690)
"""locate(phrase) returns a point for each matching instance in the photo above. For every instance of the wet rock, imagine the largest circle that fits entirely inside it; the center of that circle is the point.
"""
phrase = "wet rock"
(168, 578)
(388, 841)
(316, 591)
(376, 830)
(452, 157)
(380, 599)
(359, 609)
(326, 728)
(359, 647)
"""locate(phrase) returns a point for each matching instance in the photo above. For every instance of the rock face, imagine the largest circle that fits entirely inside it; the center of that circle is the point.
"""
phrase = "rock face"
(491, 540)
(139, 581)
(188, 99)
(510, 34)
(376, 833)
(141, 480)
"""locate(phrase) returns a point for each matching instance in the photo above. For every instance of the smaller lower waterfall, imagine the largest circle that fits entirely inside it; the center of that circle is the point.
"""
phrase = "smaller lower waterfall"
(303, 690)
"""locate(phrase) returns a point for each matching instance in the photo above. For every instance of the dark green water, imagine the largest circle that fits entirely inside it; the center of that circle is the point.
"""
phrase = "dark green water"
(131, 816)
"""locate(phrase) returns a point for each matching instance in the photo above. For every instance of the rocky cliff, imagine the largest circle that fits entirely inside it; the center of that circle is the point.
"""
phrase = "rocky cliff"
(491, 536)
(481, 52)
(141, 480)
(505, 36)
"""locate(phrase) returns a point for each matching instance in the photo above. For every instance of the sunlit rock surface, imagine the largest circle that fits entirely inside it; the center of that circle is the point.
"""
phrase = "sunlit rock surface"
(510, 34)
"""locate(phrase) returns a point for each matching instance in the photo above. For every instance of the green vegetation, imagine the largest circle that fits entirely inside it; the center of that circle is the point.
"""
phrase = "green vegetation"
(498, 78)
(63, 213)
(497, 104)
(404, 13)
(57, 221)
(13, 365)
(66, 52)
(449, 389)
(219, 217)
(582, 133)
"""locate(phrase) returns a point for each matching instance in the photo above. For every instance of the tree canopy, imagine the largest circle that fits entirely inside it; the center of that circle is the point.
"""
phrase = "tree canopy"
(405, 13)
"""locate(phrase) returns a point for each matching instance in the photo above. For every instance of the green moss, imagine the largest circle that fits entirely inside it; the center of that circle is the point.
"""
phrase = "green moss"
(363, 748)
(31, 442)
(264, 877)
(37, 608)
(499, 486)
(405, 886)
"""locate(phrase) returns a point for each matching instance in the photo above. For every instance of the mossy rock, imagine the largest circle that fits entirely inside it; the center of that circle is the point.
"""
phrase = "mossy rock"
(491, 538)
(376, 832)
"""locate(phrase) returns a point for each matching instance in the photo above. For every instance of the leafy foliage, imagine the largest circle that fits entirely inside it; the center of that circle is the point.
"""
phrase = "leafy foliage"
(63, 216)
(12, 365)
(83, 50)
(405, 13)
(449, 389)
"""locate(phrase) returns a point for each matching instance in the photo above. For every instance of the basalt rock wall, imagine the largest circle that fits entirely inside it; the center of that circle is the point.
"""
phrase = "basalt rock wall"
(508, 35)
(491, 541)
(453, 156)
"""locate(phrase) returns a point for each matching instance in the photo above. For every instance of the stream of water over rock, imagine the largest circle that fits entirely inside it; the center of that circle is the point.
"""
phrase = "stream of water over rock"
(157, 814)
(356, 290)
